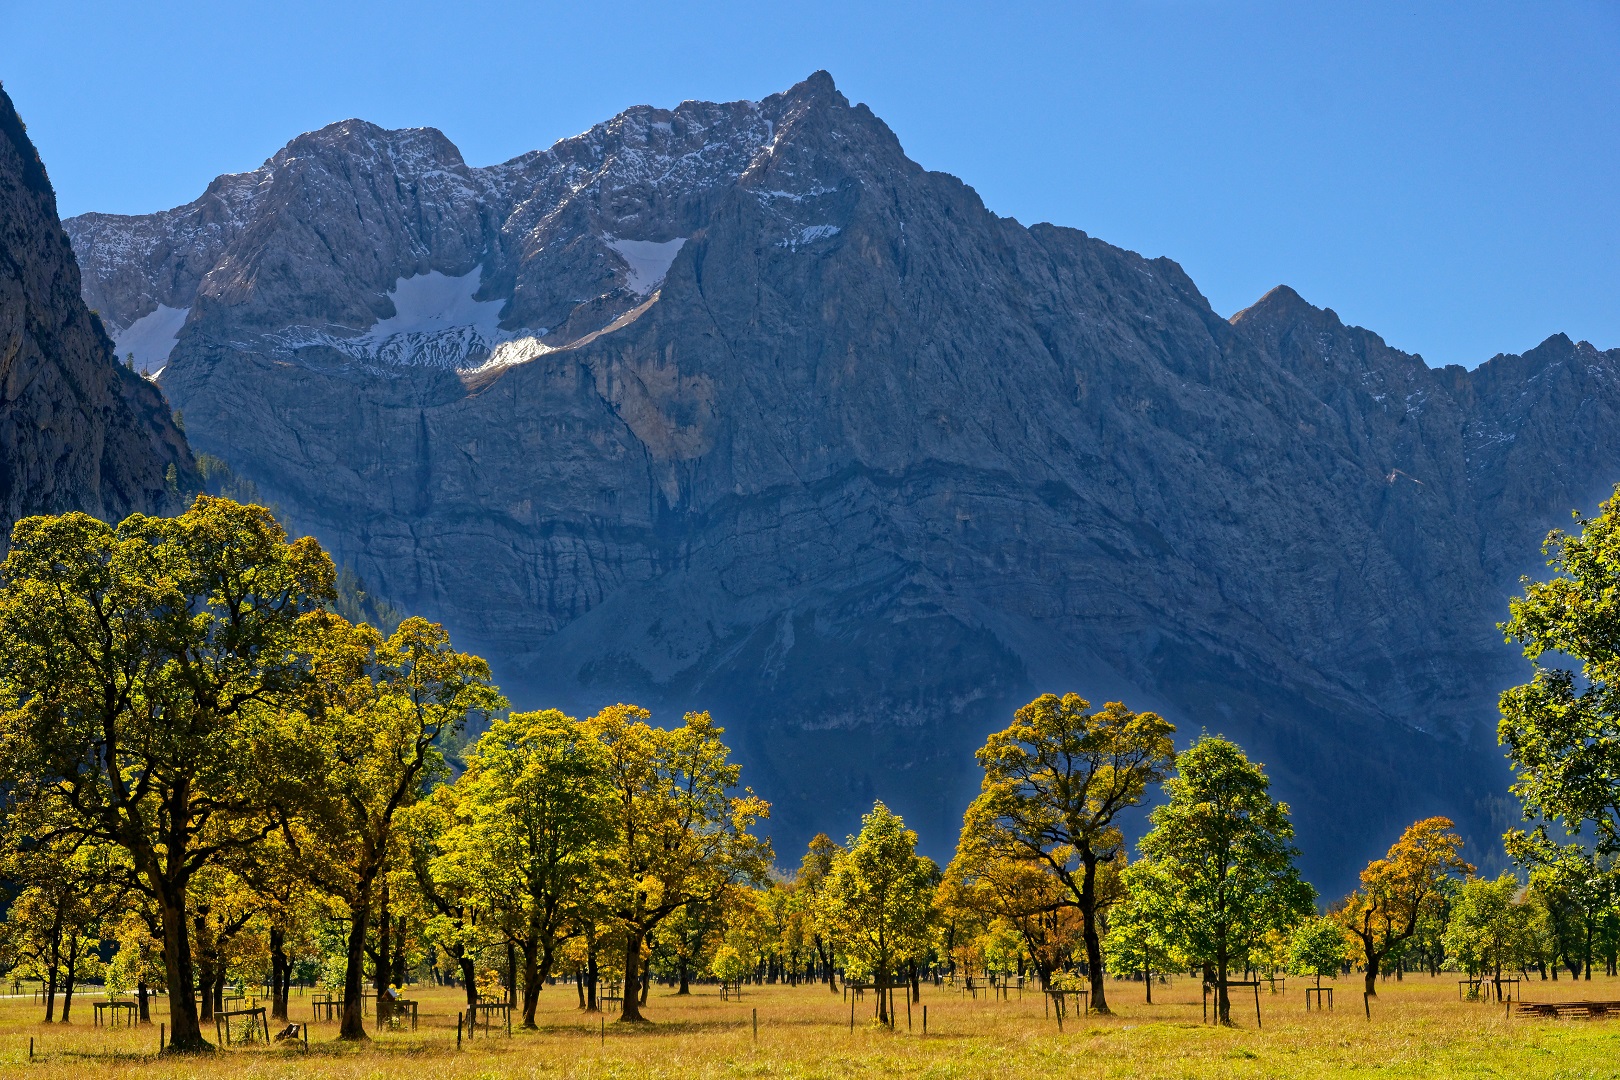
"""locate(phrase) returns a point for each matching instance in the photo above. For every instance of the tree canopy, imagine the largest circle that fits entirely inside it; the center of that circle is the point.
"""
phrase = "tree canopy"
(1218, 863)
(1055, 782)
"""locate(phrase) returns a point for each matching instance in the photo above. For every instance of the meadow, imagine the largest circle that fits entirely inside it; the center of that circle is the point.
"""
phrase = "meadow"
(1418, 1028)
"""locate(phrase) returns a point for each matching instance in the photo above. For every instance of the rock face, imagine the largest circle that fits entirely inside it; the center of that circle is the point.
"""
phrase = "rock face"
(734, 406)
(77, 431)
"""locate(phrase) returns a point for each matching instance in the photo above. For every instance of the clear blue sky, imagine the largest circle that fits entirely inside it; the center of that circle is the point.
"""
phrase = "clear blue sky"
(1447, 175)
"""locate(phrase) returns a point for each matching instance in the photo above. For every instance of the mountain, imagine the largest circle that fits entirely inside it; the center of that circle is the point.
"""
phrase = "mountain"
(77, 431)
(734, 406)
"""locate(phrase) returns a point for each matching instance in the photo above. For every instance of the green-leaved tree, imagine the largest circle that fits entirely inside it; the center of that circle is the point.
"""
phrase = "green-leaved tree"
(537, 829)
(1219, 861)
(145, 673)
(878, 897)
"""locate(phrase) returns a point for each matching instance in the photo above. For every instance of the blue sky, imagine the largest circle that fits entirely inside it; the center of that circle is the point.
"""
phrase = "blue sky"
(1447, 175)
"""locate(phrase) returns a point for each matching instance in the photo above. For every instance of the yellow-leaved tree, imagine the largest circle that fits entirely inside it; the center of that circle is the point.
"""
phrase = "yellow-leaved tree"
(1055, 782)
(373, 717)
(677, 833)
(1398, 890)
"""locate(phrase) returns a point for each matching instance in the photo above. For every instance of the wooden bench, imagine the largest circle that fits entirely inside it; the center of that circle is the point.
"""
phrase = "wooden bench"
(489, 1009)
(1215, 987)
(256, 1018)
(1554, 1009)
(1058, 999)
(109, 1011)
(390, 1010)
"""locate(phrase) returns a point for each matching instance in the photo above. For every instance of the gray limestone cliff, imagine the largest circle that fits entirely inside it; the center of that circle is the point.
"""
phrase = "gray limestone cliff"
(734, 406)
(77, 430)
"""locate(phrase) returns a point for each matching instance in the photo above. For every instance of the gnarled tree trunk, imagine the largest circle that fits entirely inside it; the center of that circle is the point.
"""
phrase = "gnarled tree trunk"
(354, 1022)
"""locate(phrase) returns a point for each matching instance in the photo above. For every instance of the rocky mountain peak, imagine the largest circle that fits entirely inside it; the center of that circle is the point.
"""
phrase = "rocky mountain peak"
(731, 405)
(405, 151)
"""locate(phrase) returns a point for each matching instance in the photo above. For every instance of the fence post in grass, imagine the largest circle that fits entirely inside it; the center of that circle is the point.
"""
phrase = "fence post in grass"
(163, 1031)
(604, 1029)
(925, 1020)
(756, 1025)
(458, 1030)
(1366, 1003)
(908, 1010)
(30, 1048)
(852, 1015)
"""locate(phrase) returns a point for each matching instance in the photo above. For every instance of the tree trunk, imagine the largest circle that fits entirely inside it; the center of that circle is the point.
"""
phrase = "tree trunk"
(1223, 1004)
(1088, 913)
(631, 1011)
(278, 970)
(531, 980)
(286, 984)
(591, 972)
(143, 1000)
(399, 952)
(385, 954)
(72, 972)
(685, 986)
(52, 967)
(354, 1022)
(469, 979)
(1147, 981)
(185, 1030)
(511, 974)
(824, 954)
(205, 968)
(1371, 983)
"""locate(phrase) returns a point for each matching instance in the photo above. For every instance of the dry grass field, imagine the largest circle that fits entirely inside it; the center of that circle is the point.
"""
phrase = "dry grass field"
(1418, 1029)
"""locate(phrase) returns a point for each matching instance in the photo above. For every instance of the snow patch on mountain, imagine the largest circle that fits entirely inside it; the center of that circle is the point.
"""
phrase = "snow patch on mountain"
(511, 353)
(437, 322)
(152, 337)
(648, 261)
(431, 303)
(809, 234)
